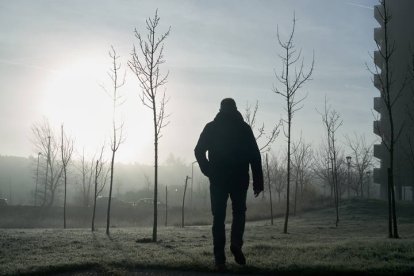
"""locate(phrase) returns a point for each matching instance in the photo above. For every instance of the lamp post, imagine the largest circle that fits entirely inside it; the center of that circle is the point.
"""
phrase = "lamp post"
(348, 162)
(192, 181)
(37, 177)
(369, 182)
(182, 209)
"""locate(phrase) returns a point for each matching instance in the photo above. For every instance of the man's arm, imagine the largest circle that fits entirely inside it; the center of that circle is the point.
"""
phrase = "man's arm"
(200, 152)
(255, 163)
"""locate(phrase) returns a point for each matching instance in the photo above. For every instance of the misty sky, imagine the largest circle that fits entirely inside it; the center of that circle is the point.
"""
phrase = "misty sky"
(54, 57)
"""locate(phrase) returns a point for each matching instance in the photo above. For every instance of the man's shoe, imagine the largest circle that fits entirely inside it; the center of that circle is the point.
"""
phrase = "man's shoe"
(220, 267)
(238, 255)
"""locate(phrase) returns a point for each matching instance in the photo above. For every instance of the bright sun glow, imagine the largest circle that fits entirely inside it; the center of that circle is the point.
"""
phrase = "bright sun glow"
(73, 95)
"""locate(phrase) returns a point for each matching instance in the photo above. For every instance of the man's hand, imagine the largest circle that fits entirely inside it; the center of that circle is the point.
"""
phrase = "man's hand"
(257, 193)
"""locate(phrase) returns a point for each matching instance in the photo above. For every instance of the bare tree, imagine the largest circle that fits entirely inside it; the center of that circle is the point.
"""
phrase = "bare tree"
(332, 121)
(354, 186)
(66, 149)
(361, 154)
(146, 64)
(147, 181)
(45, 142)
(37, 178)
(278, 176)
(302, 156)
(341, 172)
(86, 170)
(100, 179)
(389, 95)
(117, 129)
(291, 79)
(264, 140)
(321, 167)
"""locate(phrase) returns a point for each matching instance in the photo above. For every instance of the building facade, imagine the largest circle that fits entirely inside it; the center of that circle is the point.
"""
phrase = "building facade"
(399, 33)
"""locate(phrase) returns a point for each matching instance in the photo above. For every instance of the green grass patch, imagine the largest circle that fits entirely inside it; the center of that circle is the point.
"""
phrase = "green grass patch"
(313, 246)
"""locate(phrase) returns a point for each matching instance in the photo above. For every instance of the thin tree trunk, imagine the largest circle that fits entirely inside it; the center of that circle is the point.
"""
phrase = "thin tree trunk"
(394, 213)
(52, 196)
(64, 176)
(302, 183)
(94, 196)
(392, 221)
(296, 194)
(391, 179)
(285, 227)
(154, 228)
(390, 224)
(337, 194)
(64, 200)
(270, 190)
(37, 179)
(362, 185)
(108, 213)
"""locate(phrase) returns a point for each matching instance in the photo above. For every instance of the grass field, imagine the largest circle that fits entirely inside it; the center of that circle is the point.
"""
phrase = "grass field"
(313, 246)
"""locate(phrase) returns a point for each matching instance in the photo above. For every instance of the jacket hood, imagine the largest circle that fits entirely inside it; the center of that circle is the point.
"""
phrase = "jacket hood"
(229, 116)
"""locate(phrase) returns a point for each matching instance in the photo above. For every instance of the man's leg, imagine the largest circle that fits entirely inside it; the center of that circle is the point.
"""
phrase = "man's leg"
(238, 199)
(219, 198)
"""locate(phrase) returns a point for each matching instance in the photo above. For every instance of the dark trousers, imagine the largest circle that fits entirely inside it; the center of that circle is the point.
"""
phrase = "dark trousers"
(219, 195)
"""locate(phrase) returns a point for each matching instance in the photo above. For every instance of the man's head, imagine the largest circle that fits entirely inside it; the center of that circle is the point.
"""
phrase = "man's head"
(228, 105)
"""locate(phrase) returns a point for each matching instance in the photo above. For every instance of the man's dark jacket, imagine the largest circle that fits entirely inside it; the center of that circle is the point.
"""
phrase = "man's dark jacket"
(231, 147)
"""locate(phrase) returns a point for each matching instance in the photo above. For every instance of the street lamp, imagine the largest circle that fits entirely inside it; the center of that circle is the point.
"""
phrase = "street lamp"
(348, 161)
(369, 181)
(37, 177)
(182, 209)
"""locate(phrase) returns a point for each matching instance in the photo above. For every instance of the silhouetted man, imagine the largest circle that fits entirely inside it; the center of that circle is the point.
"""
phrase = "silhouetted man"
(231, 147)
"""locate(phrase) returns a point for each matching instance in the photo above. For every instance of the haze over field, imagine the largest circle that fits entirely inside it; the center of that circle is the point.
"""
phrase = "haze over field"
(54, 56)
(102, 103)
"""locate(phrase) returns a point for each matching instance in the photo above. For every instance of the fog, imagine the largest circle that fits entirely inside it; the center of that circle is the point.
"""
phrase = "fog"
(60, 78)
(213, 52)
(103, 102)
